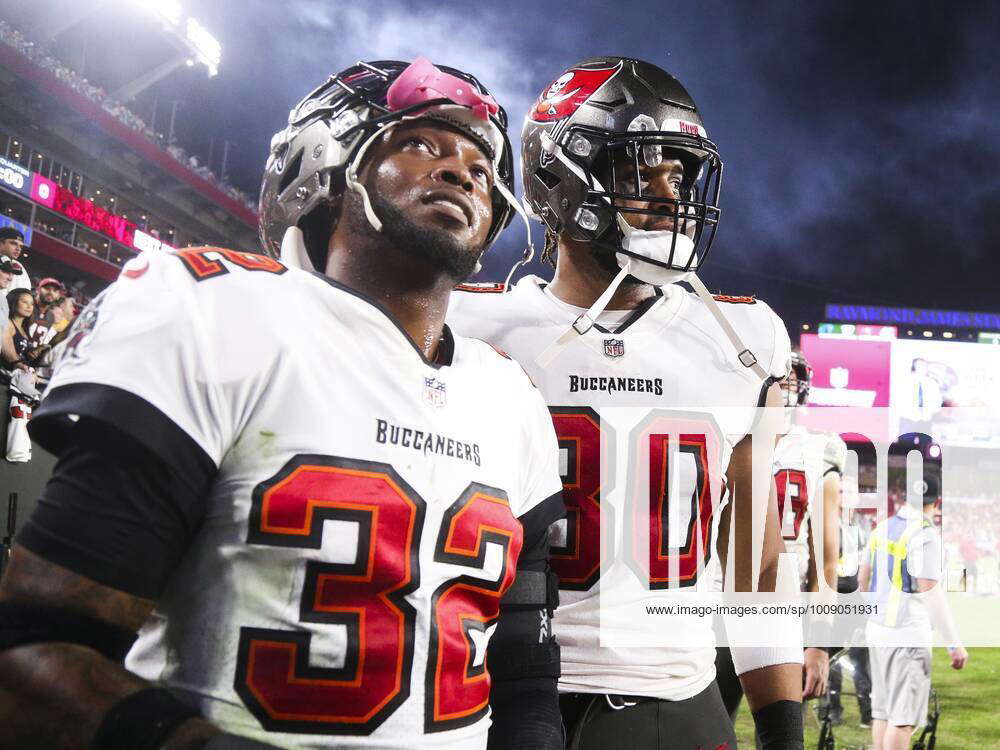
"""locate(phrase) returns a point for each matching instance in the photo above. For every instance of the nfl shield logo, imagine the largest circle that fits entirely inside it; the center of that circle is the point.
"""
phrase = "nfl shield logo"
(839, 376)
(435, 392)
(614, 348)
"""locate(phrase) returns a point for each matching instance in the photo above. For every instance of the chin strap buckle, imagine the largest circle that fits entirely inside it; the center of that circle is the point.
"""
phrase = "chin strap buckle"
(625, 703)
(747, 359)
(583, 324)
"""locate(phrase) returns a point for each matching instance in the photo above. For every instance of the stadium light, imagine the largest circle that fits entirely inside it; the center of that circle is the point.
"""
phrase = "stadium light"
(948, 334)
(166, 10)
(205, 46)
(928, 334)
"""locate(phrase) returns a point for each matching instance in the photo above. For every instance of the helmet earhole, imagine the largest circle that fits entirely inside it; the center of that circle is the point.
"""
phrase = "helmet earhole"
(291, 172)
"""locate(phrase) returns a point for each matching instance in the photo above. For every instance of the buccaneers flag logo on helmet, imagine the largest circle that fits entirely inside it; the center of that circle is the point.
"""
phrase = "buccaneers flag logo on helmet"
(565, 95)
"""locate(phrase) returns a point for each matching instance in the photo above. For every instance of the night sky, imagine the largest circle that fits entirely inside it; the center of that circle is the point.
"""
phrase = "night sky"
(861, 140)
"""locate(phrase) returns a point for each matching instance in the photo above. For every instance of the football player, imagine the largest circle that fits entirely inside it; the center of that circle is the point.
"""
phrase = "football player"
(618, 166)
(808, 467)
(307, 495)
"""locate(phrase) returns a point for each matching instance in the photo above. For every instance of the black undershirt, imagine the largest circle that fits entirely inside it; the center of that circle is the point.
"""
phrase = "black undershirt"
(115, 511)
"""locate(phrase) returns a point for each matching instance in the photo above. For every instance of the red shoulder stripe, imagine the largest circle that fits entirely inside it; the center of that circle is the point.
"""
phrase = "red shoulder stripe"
(734, 300)
(485, 287)
(498, 350)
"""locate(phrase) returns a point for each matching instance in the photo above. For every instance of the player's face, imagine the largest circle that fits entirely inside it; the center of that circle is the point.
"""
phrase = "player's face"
(11, 248)
(439, 179)
(5, 279)
(661, 181)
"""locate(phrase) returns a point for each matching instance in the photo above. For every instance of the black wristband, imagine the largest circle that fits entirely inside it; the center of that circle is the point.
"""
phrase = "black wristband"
(22, 624)
(779, 725)
(142, 721)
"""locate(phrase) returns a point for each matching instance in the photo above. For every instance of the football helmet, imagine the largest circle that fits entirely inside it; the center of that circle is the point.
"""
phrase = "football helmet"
(797, 393)
(317, 155)
(581, 148)
(583, 145)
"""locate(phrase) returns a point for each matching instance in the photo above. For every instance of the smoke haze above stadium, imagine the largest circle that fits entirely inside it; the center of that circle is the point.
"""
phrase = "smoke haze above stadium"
(860, 140)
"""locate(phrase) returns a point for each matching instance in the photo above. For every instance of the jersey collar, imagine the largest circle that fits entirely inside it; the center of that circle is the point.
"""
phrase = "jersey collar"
(445, 354)
(669, 297)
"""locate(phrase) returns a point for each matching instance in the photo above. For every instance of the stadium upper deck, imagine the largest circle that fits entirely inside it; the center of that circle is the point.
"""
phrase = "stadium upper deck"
(88, 180)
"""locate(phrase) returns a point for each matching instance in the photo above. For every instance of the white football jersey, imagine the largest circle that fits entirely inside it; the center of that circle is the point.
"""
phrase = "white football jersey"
(670, 353)
(364, 518)
(802, 459)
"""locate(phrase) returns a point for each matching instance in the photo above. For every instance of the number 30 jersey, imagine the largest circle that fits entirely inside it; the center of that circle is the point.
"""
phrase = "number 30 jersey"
(366, 511)
(669, 354)
(802, 459)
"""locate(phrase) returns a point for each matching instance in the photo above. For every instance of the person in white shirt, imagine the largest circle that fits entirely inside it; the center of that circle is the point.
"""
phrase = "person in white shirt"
(11, 247)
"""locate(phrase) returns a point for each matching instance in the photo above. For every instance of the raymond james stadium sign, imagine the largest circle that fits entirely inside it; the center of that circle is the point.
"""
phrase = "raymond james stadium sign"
(913, 316)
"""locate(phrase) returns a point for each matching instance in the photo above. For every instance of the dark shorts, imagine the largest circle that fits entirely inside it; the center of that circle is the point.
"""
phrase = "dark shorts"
(729, 684)
(592, 723)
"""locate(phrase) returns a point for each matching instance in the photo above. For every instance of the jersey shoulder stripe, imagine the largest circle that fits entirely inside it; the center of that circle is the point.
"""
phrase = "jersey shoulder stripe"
(734, 299)
(484, 287)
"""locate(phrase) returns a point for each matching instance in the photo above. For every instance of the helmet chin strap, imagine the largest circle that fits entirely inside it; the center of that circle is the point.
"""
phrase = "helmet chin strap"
(529, 250)
(746, 357)
(585, 321)
(650, 245)
(293, 250)
(351, 175)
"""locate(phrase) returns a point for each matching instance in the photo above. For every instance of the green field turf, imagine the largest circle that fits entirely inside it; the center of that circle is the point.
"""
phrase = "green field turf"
(970, 708)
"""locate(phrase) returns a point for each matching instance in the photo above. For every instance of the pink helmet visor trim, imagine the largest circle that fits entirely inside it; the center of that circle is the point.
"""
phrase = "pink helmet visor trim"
(422, 81)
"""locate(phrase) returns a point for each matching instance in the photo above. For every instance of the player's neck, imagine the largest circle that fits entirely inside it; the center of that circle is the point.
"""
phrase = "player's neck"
(580, 279)
(414, 294)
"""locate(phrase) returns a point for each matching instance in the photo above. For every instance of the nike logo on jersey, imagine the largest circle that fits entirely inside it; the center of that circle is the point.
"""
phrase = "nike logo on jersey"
(612, 385)
(427, 442)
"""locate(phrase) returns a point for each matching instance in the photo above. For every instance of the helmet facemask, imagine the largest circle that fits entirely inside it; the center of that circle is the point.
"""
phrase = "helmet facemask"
(694, 220)
(608, 167)
(796, 390)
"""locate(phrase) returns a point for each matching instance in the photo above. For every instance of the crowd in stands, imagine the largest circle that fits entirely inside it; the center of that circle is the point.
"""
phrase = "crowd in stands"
(35, 316)
(16, 40)
(61, 231)
(34, 319)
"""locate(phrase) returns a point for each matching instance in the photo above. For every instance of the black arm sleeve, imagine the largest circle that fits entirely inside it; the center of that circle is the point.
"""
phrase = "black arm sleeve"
(117, 512)
(523, 655)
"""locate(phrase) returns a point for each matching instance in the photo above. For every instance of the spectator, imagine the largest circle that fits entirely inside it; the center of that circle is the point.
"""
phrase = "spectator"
(903, 570)
(16, 343)
(50, 292)
(11, 246)
(8, 270)
(64, 312)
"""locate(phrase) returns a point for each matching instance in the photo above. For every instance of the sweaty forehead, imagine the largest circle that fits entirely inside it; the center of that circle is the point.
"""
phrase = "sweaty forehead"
(438, 129)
